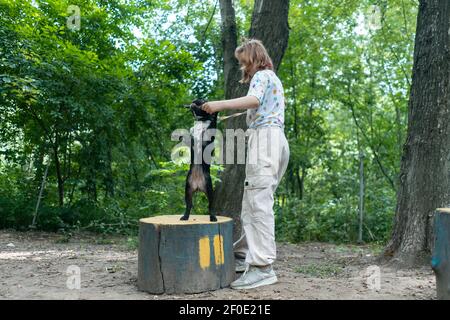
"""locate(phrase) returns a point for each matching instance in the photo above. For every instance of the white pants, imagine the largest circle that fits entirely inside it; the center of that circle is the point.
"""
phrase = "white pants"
(267, 160)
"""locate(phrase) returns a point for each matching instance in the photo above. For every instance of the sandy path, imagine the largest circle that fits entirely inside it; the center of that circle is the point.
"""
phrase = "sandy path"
(33, 266)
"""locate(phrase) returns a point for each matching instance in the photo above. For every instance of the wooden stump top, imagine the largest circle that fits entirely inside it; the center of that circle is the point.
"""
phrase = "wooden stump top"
(443, 210)
(175, 220)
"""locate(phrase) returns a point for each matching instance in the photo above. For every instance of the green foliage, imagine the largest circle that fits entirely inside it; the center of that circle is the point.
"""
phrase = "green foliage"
(132, 243)
(347, 93)
(98, 106)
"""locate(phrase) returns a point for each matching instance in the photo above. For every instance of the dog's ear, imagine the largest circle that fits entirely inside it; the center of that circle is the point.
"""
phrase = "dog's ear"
(199, 102)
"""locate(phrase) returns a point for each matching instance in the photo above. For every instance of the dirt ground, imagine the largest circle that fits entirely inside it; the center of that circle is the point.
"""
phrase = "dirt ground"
(33, 265)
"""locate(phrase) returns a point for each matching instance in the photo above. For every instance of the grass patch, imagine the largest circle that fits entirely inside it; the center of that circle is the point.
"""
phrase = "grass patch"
(64, 238)
(104, 241)
(377, 248)
(370, 248)
(132, 243)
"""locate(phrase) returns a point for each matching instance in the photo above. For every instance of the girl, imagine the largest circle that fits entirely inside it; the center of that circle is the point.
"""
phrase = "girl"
(255, 251)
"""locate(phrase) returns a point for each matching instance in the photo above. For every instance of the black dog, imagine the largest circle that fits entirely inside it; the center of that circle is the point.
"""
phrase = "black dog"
(199, 178)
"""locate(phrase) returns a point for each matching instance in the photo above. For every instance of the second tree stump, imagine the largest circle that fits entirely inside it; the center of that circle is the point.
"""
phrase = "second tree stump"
(440, 261)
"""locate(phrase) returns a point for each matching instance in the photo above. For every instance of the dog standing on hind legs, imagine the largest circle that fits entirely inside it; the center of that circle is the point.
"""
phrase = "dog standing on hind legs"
(199, 177)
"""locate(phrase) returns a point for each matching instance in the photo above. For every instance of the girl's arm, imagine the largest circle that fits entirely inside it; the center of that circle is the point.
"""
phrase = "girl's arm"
(247, 102)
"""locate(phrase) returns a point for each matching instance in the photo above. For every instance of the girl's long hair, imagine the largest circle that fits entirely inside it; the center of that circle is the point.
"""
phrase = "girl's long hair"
(252, 56)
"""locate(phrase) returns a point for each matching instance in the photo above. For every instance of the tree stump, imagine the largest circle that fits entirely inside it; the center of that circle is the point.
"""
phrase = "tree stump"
(185, 256)
(440, 260)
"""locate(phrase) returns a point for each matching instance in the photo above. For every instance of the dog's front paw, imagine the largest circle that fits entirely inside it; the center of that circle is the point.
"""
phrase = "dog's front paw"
(212, 218)
(184, 218)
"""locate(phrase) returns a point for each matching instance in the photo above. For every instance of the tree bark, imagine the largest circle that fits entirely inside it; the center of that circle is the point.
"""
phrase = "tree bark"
(270, 25)
(58, 172)
(231, 71)
(109, 175)
(424, 175)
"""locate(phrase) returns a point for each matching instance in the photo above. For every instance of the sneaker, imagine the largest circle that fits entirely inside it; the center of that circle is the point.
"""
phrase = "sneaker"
(255, 277)
(240, 265)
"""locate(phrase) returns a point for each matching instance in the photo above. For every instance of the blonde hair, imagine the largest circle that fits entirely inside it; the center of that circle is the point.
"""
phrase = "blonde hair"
(252, 56)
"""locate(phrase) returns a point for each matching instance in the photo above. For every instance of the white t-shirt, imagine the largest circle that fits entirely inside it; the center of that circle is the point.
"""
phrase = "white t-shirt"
(267, 87)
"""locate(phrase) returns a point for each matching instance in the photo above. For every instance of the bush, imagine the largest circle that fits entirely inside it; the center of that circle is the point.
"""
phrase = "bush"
(336, 220)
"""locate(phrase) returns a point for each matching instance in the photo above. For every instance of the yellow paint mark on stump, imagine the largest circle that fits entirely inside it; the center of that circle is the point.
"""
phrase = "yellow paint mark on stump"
(218, 249)
(204, 252)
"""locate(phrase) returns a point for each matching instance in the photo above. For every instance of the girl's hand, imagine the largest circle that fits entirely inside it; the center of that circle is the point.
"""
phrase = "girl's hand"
(211, 107)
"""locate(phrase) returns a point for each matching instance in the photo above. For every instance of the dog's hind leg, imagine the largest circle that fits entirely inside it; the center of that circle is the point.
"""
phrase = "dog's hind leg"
(210, 195)
(189, 193)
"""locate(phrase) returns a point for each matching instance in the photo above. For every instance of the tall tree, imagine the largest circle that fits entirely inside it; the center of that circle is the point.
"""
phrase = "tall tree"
(424, 176)
(270, 25)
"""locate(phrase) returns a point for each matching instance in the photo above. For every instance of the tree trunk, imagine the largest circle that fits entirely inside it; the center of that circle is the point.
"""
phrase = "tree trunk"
(91, 183)
(424, 175)
(270, 25)
(58, 172)
(109, 175)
